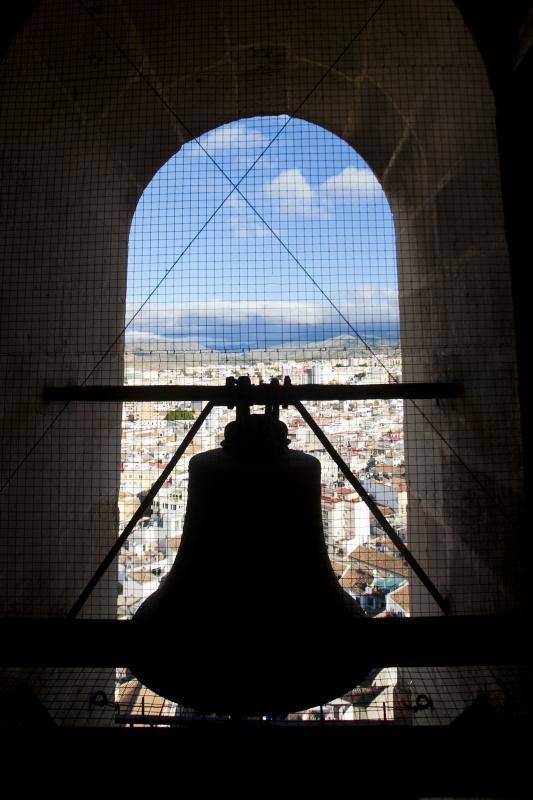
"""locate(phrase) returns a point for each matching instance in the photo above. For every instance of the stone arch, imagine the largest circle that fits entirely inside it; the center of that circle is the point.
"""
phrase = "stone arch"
(412, 97)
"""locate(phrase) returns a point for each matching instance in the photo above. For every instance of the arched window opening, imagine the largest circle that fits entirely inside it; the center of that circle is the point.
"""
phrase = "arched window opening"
(95, 101)
(291, 273)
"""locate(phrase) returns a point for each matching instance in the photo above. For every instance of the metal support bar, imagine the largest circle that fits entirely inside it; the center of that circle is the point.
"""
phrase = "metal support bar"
(388, 641)
(144, 506)
(260, 395)
(374, 508)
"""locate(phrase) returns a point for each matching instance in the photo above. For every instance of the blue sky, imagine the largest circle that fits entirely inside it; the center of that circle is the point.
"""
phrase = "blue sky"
(237, 287)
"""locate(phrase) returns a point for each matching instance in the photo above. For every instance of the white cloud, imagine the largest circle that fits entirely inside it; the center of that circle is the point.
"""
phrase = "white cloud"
(235, 135)
(291, 187)
(293, 194)
(168, 315)
(235, 201)
(353, 183)
(242, 220)
(364, 304)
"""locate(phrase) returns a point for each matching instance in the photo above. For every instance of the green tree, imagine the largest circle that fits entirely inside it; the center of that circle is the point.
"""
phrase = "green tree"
(179, 413)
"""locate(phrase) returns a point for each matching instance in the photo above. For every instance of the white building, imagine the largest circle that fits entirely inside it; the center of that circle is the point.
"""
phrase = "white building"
(346, 520)
(321, 372)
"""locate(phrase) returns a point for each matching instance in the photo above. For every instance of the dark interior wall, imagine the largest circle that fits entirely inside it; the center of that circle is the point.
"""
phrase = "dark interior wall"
(77, 155)
(504, 35)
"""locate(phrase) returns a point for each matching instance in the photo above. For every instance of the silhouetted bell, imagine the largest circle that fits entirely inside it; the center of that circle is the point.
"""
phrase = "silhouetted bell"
(251, 619)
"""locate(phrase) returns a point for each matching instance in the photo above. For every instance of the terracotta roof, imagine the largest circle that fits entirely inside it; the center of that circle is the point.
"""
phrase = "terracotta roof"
(173, 542)
(385, 561)
(144, 575)
(401, 597)
(386, 510)
(356, 578)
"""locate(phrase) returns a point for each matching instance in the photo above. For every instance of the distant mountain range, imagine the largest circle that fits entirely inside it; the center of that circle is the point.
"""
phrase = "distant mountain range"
(162, 348)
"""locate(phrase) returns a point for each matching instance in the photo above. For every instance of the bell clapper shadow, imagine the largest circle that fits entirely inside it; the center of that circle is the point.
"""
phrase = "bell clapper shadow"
(251, 619)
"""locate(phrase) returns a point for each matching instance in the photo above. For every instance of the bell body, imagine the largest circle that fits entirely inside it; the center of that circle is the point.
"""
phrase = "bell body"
(251, 619)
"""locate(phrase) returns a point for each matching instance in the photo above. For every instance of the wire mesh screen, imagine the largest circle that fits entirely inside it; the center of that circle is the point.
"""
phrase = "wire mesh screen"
(196, 191)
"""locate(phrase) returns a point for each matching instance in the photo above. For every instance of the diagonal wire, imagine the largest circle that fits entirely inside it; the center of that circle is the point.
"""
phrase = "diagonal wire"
(186, 128)
(486, 491)
(34, 446)
(137, 516)
(374, 508)
(235, 186)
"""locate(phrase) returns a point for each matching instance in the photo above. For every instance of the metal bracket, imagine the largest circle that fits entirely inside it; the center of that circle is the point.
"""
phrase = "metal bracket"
(241, 394)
